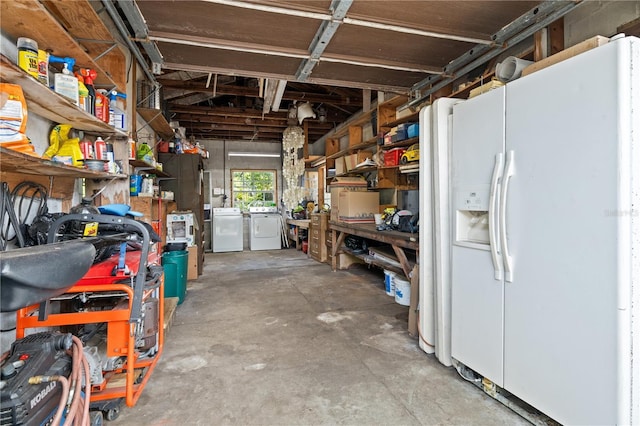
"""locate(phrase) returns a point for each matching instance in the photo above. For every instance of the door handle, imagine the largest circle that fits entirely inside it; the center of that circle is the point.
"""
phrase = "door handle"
(498, 169)
(508, 174)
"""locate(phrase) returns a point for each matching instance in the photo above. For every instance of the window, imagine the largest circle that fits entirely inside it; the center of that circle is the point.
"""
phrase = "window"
(253, 188)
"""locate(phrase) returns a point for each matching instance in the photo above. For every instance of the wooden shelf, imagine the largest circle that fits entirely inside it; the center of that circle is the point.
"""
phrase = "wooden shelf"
(359, 171)
(32, 18)
(17, 162)
(366, 144)
(45, 102)
(413, 118)
(157, 121)
(143, 165)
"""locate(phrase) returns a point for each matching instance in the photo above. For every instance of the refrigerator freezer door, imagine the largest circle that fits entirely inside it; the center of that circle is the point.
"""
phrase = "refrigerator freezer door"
(477, 297)
(426, 291)
(435, 234)
(441, 136)
(567, 339)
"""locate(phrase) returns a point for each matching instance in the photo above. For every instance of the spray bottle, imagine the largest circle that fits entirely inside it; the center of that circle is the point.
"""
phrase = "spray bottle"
(89, 75)
(117, 115)
(64, 83)
(83, 94)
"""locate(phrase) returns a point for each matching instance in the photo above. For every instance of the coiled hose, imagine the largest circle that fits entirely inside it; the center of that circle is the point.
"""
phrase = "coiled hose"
(72, 398)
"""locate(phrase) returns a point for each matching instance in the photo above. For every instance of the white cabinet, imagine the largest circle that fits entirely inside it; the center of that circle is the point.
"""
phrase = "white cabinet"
(544, 277)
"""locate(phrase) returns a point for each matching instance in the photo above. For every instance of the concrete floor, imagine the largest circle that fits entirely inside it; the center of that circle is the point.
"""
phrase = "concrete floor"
(275, 338)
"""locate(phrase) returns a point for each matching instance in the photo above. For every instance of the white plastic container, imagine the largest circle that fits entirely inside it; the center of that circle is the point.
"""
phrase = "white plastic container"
(389, 286)
(403, 291)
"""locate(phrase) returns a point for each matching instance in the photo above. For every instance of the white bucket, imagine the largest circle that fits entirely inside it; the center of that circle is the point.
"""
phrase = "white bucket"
(403, 291)
(389, 285)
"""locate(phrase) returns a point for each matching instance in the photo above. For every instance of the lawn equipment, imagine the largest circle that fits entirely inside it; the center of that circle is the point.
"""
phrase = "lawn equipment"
(115, 309)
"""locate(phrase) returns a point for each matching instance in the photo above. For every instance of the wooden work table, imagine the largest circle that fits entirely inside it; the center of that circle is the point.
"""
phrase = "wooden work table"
(298, 224)
(397, 240)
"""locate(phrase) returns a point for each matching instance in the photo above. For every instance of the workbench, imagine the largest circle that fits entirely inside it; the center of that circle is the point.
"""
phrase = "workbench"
(398, 241)
(297, 225)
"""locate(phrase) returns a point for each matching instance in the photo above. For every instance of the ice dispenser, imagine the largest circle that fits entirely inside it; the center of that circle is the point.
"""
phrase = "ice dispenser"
(472, 217)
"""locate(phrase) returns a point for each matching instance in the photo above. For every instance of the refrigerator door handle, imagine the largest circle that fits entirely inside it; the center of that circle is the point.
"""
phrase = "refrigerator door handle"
(508, 260)
(498, 169)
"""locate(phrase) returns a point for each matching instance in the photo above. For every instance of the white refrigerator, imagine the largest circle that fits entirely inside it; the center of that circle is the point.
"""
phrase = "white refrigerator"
(546, 236)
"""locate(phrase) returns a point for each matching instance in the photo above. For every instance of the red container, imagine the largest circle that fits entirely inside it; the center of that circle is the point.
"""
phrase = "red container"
(87, 149)
(100, 149)
(163, 146)
(102, 107)
(392, 157)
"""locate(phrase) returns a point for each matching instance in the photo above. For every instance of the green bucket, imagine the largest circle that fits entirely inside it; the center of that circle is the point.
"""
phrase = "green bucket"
(175, 265)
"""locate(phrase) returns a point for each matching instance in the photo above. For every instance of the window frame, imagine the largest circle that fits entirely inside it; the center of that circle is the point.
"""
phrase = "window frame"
(275, 183)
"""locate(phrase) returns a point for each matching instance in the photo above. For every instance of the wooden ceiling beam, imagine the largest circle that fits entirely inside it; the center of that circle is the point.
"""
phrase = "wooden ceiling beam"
(195, 86)
(224, 111)
(280, 123)
(332, 116)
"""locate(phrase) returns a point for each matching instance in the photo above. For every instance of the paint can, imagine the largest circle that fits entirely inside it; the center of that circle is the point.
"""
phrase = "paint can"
(403, 291)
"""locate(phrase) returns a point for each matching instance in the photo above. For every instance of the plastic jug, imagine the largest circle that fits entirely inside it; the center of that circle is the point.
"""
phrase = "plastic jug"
(102, 107)
(100, 149)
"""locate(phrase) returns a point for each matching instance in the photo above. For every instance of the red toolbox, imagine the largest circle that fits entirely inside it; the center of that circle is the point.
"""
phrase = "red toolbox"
(392, 157)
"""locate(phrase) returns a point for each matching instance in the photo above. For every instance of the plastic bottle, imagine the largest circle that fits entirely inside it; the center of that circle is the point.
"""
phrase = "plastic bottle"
(64, 83)
(43, 67)
(85, 207)
(111, 165)
(83, 94)
(132, 149)
(28, 55)
(117, 114)
(100, 149)
(82, 228)
(89, 75)
(87, 149)
(145, 153)
(102, 106)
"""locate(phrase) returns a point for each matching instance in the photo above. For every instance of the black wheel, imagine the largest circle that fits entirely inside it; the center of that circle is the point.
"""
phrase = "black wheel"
(95, 418)
(403, 160)
(111, 414)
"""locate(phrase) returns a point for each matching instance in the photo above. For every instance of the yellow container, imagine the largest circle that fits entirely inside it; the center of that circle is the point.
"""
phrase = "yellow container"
(28, 55)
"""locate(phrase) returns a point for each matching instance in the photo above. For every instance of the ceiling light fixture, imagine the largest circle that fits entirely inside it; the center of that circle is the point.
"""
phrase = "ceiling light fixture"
(305, 111)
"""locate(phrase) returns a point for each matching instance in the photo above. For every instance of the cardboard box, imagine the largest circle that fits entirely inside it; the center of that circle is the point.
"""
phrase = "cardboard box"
(402, 113)
(335, 199)
(192, 263)
(357, 206)
(349, 182)
(351, 161)
(339, 166)
(344, 184)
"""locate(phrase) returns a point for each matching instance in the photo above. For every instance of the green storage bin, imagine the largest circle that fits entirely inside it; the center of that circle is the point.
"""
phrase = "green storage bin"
(175, 265)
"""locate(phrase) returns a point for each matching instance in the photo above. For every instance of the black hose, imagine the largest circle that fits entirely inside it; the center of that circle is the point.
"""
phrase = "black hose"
(7, 207)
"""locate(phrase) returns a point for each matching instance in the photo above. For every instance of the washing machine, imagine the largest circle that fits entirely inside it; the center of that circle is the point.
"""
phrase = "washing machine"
(265, 228)
(226, 230)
